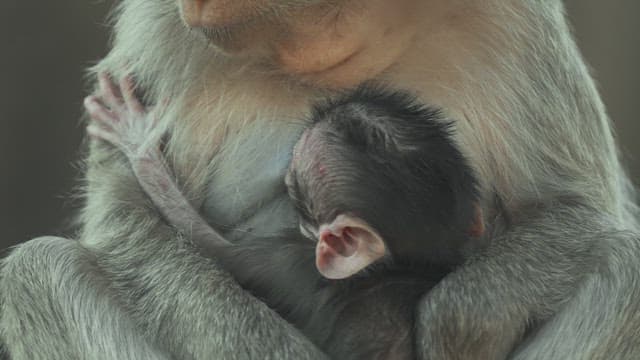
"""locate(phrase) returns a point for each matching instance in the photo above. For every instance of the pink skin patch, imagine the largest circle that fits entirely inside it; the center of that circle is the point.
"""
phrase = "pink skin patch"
(347, 246)
(304, 151)
(343, 244)
(322, 170)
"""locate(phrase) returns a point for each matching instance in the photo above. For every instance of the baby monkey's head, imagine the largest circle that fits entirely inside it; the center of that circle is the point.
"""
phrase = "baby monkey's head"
(378, 175)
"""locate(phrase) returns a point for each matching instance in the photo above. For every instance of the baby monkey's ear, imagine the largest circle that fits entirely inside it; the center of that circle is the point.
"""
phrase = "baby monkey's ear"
(346, 246)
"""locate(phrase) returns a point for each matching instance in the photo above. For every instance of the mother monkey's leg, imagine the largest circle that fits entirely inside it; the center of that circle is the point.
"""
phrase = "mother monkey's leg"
(58, 304)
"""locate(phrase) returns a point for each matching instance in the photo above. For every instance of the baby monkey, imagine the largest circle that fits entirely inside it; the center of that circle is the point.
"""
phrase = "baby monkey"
(387, 207)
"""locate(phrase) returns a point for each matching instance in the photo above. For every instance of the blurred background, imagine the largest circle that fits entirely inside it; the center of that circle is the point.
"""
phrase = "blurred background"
(46, 45)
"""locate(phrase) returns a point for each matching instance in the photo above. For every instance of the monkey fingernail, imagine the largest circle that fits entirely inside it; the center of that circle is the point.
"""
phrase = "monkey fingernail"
(98, 112)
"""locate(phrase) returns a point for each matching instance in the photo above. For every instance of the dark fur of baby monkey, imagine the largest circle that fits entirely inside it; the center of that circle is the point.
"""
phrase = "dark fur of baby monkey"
(387, 205)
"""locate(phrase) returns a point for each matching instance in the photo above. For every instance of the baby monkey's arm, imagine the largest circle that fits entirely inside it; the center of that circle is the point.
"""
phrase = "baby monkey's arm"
(119, 118)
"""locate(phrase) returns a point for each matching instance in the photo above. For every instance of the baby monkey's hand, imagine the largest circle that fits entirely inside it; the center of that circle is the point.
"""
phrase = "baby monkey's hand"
(119, 118)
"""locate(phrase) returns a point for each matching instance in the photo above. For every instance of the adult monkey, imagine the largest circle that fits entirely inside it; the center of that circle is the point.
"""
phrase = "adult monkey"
(531, 122)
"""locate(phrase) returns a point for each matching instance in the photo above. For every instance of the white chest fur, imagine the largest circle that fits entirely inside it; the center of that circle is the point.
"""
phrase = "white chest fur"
(247, 194)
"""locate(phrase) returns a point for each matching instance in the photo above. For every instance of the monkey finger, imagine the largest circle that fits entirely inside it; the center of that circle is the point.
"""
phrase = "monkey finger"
(103, 134)
(98, 127)
(110, 92)
(98, 112)
(127, 87)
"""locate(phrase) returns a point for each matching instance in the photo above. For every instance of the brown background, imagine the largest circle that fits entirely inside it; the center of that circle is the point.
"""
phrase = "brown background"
(45, 45)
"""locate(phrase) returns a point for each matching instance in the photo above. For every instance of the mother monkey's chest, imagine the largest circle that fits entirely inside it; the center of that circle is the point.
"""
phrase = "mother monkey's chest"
(246, 195)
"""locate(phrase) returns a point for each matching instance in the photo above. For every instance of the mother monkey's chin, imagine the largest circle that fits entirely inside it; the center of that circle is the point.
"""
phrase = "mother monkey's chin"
(332, 44)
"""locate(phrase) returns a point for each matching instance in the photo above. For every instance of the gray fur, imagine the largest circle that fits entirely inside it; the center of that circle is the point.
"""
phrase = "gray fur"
(564, 266)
